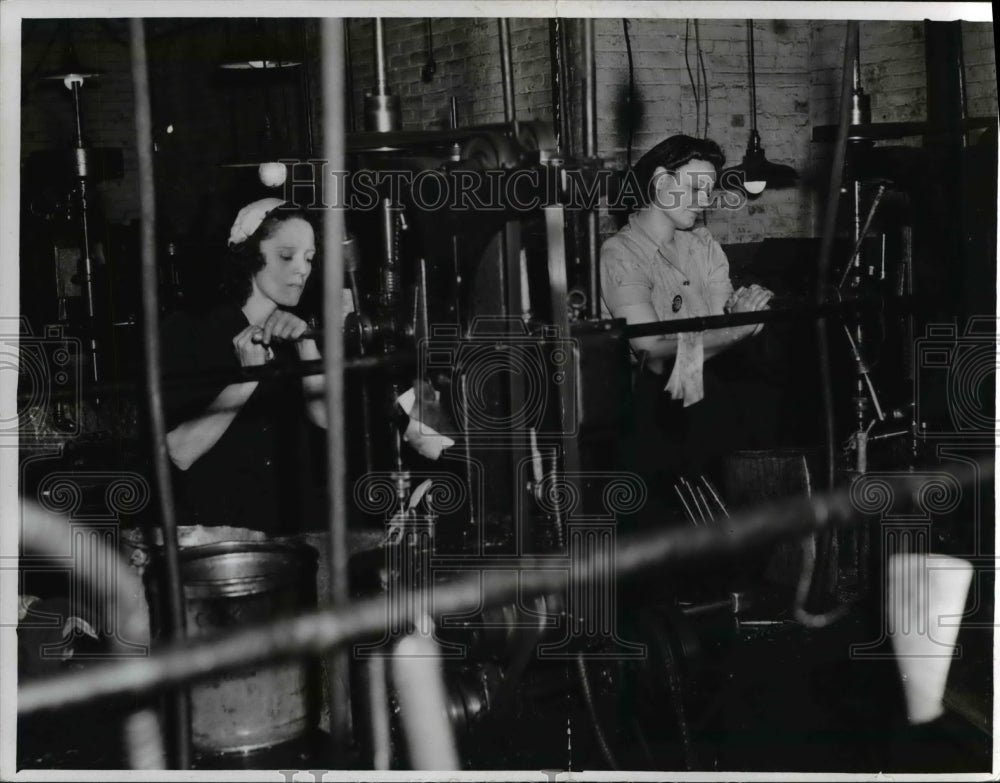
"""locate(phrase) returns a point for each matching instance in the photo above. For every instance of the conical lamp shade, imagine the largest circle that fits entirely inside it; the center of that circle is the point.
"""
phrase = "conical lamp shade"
(755, 171)
(70, 65)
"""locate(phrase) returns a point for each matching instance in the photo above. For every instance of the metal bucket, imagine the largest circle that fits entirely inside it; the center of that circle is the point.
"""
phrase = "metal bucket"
(237, 584)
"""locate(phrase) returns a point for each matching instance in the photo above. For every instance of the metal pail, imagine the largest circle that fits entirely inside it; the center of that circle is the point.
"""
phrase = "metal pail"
(232, 585)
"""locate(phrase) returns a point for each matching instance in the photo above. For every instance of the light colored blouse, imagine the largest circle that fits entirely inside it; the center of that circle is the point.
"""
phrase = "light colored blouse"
(683, 278)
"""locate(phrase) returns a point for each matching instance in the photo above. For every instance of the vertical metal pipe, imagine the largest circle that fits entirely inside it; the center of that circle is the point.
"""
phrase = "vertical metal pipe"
(381, 82)
(349, 77)
(752, 70)
(963, 92)
(307, 99)
(85, 261)
(423, 704)
(555, 70)
(824, 578)
(590, 91)
(390, 261)
(381, 726)
(590, 151)
(507, 71)
(76, 114)
(151, 344)
(568, 143)
(826, 244)
(332, 40)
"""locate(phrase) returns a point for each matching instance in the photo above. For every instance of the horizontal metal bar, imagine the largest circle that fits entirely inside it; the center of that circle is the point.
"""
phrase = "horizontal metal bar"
(372, 141)
(316, 632)
(412, 358)
(701, 323)
(237, 375)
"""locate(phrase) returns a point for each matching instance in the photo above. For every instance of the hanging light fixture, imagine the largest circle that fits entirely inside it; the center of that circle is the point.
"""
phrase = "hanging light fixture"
(755, 171)
(258, 49)
(70, 70)
(86, 163)
(269, 54)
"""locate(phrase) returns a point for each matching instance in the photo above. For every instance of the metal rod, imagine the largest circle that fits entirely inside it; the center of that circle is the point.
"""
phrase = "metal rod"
(349, 79)
(862, 233)
(258, 373)
(410, 358)
(507, 72)
(402, 359)
(380, 140)
(752, 72)
(863, 372)
(590, 151)
(704, 322)
(315, 632)
(332, 37)
(151, 345)
(88, 274)
(381, 83)
(714, 494)
(423, 704)
(76, 113)
(680, 494)
(590, 91)
(826, 246)
(378, 706)
(85, 261)
(555, 70)
(962, 86)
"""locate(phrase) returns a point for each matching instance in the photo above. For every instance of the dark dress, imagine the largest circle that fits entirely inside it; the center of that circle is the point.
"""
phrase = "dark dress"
(260, 473)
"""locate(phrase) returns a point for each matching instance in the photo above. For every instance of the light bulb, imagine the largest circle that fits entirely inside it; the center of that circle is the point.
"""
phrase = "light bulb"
(753, 187)
(272, 173)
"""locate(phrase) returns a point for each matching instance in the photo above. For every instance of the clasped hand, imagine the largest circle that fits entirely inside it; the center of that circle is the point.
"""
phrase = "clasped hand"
(253, 344)
(749, 300)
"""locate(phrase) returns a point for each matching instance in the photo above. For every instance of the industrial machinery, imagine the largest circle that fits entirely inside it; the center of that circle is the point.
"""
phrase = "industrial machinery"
(485, 397)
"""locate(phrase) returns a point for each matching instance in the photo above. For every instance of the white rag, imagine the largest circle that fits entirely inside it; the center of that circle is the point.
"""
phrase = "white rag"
(686, 382)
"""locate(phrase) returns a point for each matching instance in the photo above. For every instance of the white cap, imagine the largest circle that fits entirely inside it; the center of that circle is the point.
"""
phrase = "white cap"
(250, 217)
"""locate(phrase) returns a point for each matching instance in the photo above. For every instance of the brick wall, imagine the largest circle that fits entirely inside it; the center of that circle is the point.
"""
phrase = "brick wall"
(893, 75)
(467, 54)
(797, 63)
(980, 68)
(668, 106)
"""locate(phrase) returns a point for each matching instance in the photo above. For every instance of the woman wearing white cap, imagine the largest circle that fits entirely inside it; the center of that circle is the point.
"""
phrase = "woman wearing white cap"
(243, 449)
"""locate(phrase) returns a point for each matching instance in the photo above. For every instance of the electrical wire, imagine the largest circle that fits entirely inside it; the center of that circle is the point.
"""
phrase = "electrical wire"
(694, 87)
(630, 114)
(703, 73)
(753, 75)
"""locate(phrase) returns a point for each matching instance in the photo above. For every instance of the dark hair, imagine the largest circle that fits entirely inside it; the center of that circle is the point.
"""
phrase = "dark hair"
(244, 260)
(671, 154)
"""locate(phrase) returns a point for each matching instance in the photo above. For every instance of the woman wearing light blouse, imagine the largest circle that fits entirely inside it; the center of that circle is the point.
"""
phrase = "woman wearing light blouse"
(660, 266)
